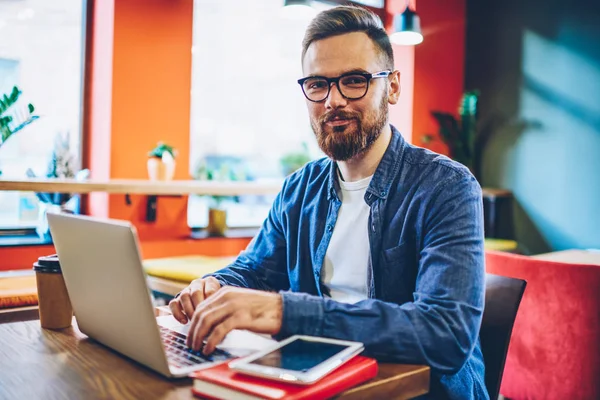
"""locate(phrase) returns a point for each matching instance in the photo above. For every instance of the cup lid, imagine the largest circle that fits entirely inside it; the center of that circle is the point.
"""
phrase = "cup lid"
(47, 264)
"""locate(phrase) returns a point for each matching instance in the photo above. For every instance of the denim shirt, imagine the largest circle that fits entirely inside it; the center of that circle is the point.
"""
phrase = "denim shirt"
(426, 275)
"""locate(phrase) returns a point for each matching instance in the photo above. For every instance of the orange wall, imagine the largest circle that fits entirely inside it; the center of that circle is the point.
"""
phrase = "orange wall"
(151, 80)
(439, 66)
(432, 73)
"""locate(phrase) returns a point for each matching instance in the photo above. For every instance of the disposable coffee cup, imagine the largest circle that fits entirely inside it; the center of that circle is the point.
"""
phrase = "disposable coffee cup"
(54, 304)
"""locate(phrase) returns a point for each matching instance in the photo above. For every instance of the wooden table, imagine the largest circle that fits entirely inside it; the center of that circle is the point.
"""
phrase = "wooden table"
(591, 257)
(42, 364)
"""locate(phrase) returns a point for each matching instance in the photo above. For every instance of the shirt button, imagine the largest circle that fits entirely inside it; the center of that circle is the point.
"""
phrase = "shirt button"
(373, 227)
(383, 192)
(329, 228)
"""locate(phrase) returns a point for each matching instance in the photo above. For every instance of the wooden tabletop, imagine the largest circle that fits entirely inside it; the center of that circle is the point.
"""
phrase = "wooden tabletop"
(143, 186)
(38, 363)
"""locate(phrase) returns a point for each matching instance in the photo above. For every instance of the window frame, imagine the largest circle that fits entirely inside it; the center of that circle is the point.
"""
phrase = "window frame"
(16, 236)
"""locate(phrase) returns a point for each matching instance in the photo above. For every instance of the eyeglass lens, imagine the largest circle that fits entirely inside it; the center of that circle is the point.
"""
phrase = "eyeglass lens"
(351, 86)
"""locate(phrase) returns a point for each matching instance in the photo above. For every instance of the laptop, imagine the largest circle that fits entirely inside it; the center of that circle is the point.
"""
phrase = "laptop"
(102, 268)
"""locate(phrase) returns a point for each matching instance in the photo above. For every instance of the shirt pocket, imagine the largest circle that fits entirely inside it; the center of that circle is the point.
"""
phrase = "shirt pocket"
(398, 273)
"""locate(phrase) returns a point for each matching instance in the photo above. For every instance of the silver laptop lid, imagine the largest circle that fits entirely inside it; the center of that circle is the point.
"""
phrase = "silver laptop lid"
(103, 273)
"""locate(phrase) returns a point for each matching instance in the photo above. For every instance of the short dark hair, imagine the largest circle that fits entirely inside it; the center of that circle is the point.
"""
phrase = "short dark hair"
(346, 19)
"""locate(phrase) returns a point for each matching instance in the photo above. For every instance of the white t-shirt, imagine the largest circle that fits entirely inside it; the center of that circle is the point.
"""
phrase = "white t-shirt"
(348, 255)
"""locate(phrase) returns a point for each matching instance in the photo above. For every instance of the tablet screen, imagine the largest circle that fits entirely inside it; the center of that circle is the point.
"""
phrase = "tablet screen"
(299, 355)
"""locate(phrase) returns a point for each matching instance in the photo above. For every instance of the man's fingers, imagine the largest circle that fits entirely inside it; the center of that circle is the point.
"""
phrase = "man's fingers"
(203, 288)
(197, 295)
(186, 303)
(209, 320)
(218, 334)
(175, 307)
(211, 285)
(204, 321)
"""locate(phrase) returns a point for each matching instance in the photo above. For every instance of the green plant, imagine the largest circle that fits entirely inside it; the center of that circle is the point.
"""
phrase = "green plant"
(11, 124)
(13, 117)
(224, 172)
(160, 149)
(295, 160)
(459, 135)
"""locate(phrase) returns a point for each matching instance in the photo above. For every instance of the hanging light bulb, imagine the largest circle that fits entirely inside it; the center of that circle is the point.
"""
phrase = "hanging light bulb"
(407, 28)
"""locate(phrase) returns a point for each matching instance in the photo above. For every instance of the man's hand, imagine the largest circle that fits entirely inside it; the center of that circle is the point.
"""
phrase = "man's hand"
(185, 304)
(234, 308)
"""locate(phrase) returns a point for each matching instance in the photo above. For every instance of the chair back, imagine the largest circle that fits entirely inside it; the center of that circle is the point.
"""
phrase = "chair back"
(502, 298)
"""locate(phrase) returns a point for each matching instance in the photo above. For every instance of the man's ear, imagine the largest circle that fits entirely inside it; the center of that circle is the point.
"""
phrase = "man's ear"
(394, 87)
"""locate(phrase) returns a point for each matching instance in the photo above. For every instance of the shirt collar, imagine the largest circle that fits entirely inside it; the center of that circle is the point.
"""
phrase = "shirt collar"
(386, 171)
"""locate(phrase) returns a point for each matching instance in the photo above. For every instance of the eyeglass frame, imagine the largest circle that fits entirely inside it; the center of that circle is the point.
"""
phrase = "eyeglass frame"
(369, 76)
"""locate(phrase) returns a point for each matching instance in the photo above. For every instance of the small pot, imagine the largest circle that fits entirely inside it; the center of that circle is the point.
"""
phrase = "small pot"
(217, 222)
(159, 170)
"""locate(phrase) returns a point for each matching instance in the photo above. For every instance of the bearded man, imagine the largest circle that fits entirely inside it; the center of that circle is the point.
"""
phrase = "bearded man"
(381, 242)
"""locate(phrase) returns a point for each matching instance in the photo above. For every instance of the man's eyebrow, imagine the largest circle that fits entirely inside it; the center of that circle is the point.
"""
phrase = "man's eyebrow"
(356, 71)
(351, 71)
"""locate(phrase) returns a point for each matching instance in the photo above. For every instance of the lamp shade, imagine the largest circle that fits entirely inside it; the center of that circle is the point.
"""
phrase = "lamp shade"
(407, 28)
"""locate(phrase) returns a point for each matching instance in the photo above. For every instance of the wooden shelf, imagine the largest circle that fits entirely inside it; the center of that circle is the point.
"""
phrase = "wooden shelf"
(140, 186)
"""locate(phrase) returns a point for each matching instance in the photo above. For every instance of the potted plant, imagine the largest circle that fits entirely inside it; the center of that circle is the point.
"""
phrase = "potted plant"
(62, 165)
(217, 214)
(161, 162)
(460, 134)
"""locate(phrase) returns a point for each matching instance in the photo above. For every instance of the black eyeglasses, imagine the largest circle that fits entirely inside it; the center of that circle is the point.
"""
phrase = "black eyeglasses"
(352, 86)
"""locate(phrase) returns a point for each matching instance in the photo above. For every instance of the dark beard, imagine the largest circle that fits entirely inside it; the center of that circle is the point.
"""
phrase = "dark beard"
(346, 142)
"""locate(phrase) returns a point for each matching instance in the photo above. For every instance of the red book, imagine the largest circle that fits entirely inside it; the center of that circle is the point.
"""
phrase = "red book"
(222, 383)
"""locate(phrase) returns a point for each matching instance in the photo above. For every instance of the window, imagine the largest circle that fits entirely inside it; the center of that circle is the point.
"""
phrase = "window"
(247, 108)
(41, 53)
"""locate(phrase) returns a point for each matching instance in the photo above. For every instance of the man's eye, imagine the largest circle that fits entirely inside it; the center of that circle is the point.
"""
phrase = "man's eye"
(317, 85)
(354, 80)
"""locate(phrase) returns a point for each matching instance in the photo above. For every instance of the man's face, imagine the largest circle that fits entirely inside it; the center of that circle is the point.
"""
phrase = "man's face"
(345, 128)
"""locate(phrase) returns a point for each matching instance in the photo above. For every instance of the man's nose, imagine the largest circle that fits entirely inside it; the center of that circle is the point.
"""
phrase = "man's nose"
(335, 98)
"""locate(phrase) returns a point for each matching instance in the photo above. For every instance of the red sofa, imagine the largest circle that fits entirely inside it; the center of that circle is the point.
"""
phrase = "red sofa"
(554, 351)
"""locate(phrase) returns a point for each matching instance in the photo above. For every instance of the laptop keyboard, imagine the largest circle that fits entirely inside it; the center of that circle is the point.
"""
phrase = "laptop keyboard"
(179, 355)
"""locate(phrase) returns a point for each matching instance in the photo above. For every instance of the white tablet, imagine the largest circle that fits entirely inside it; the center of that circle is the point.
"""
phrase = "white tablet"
(298, 359)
